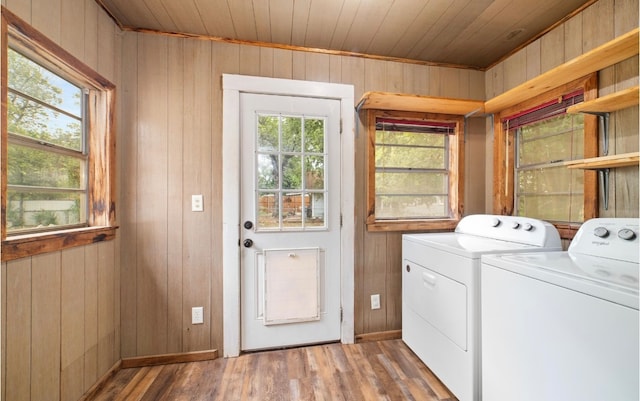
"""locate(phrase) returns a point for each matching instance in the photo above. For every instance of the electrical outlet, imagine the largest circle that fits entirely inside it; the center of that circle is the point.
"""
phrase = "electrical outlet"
(375, 301)
(197, 315)
(197, 203)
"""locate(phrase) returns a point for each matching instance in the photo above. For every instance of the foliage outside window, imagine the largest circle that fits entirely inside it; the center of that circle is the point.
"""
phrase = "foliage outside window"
(58, 146)
(291, 173)
(47, 157)
(532, 142)
(415, 164)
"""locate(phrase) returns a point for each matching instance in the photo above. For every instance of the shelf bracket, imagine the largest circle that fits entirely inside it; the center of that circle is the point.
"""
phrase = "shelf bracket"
(603, 120)
(603, 173)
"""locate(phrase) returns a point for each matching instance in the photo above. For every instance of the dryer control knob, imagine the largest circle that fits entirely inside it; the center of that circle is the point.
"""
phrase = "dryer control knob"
(495, 222)
(626, 234)
(527, 227)
(601, 232)
(515, 225)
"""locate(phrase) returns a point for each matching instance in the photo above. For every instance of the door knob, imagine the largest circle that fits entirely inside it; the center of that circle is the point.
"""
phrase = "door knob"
(248, 243)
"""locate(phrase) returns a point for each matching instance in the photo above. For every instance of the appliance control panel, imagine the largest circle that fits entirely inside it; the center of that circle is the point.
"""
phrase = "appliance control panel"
(613, 238)
(522, 230)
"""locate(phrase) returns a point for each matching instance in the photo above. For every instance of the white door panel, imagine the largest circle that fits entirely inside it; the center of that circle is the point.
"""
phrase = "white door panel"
(290, 220)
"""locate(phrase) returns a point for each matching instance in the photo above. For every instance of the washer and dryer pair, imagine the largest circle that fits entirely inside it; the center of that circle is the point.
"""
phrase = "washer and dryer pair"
(525, 342)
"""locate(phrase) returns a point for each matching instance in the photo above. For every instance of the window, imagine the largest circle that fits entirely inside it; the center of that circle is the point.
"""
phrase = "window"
(532, 143)
(57, 161)
(290, 162)
(415, 164)
(47, 157)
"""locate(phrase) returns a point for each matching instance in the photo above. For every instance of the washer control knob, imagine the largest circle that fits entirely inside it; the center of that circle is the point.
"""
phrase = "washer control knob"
(527, 227)
(601, 232)
(626, 234)
(515, 225)
(495, 222)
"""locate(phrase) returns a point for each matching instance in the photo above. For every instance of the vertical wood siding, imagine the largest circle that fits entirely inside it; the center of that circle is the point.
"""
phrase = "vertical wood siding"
(61, 310)
(172, 135)
(600, 23)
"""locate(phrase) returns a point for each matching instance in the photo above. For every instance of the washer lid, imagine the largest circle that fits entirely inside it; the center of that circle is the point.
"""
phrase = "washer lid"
(609, 279)
(471, 246)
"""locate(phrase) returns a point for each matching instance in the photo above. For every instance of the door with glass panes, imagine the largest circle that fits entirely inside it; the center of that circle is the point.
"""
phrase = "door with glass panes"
(290, 221)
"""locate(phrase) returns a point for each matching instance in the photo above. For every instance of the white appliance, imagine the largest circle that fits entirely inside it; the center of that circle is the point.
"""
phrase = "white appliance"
(440, 291)
(564, 325)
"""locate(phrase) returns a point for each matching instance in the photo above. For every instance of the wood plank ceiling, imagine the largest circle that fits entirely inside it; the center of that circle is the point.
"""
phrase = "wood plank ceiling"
(470, 33)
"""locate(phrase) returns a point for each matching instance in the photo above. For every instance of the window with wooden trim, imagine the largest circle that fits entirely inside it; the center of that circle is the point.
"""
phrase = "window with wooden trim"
(414, 171)
(533, 141)
(58, 146)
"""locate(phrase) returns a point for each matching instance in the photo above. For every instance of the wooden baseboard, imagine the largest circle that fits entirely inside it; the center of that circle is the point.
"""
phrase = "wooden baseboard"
(99, 385)
(379, 336)
(165, 359)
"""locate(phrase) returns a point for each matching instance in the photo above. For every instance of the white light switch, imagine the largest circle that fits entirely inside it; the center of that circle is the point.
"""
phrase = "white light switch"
(197, 203)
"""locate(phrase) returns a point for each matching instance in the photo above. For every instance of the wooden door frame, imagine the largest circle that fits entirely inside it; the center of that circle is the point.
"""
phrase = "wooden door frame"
(232, 86)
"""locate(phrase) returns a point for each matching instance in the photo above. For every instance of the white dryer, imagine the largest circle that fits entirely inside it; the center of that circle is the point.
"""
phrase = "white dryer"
(564, 325)
(440, 291)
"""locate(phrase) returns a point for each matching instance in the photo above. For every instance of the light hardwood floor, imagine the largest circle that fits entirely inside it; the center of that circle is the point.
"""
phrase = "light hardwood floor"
(382, 370)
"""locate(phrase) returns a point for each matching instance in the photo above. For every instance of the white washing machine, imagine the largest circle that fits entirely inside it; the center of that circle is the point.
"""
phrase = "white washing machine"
(440, 291)
(564, 325)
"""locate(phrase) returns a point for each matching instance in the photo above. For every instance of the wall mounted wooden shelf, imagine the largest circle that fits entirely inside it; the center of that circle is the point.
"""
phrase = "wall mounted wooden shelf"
(417, 103)
(602, 165)
(610, 53)
(605, 104)
(613, 161)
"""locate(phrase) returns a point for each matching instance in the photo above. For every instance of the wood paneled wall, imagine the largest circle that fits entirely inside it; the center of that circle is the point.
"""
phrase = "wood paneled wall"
(61, 310)
(600, 23)
(171, 144)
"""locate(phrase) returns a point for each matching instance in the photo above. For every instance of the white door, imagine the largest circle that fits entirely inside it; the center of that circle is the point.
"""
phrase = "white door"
(290, 220)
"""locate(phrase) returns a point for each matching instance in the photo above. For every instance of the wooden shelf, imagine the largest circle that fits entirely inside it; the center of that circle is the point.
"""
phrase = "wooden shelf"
(605, 104)
(423, 104)
(598, 163)
(610, 53)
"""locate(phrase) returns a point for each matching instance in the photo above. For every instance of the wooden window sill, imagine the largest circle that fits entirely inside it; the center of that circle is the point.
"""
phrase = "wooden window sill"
(33, 244)
(412, 225)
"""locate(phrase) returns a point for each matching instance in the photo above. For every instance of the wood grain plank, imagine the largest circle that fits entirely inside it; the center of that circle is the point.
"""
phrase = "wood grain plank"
(321, 27)
(266, 62)
(317, 67)
(552, 52)
(45, 17)
(45, 324)
(90, 315)
(18, 334)
(186, 19)
(161, 17)
(106, 303)
(218, 21)
(71, 31)
(301, 15)
(515, 68)
(151, 202)
(106, 46)
(128, 179)
(573, 38)
(242, 17)
(176, 199)
(282, 63)
(91, 12)
(197, 180)
(72, 324)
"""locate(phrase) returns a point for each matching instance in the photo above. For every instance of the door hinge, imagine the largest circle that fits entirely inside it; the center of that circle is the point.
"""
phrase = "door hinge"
(340, 220)
(341, 314)
(341, 126)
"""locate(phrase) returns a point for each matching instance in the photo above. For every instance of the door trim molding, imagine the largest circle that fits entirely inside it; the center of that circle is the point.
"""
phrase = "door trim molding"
(232, 86)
